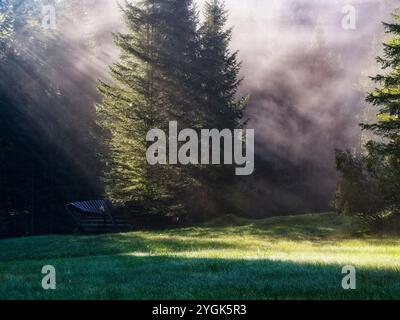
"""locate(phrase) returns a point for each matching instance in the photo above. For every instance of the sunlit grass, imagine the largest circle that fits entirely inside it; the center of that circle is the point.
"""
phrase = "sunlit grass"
(231, 258)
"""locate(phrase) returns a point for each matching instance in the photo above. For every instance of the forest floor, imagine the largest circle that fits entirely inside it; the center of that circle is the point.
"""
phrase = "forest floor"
(279, 258)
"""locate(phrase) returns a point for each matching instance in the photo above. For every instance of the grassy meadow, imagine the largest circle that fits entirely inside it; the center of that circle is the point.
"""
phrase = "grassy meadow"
(278, 258)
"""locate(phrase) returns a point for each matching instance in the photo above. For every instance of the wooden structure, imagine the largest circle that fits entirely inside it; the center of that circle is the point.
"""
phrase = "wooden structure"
(97, 216)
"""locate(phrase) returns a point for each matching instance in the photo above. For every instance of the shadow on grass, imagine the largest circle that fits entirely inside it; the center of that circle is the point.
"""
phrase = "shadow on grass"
(162, 277)
(112, 244)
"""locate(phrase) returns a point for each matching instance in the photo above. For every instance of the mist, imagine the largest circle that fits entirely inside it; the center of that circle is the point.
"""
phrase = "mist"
(307, 78)
(305, 75)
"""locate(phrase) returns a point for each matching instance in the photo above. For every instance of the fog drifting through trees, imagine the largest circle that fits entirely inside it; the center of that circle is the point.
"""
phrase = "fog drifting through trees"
(303, 72)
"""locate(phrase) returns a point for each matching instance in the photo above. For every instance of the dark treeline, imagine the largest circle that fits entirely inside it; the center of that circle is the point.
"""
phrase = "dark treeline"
(47, 150)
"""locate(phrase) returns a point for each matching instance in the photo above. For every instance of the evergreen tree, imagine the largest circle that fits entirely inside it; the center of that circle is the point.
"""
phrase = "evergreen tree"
(219, 70)
(370, 183)
(221, 108)
(386, 151)
(153, 83)
(387, 96)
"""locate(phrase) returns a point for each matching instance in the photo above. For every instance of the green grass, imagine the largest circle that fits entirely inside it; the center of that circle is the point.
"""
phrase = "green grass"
(230, 258)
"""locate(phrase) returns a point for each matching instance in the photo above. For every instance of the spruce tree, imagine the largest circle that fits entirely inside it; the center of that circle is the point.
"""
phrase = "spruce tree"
(153, 83)
(370, 184)
(387, 96)
(221, 107)
(220, 69)
(384, 153)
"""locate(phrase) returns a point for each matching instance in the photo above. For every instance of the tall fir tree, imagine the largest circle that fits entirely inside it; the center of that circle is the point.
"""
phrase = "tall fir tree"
(370, 183)
(387, 96)
(220, 70)
(153, 83)
(222, 107)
